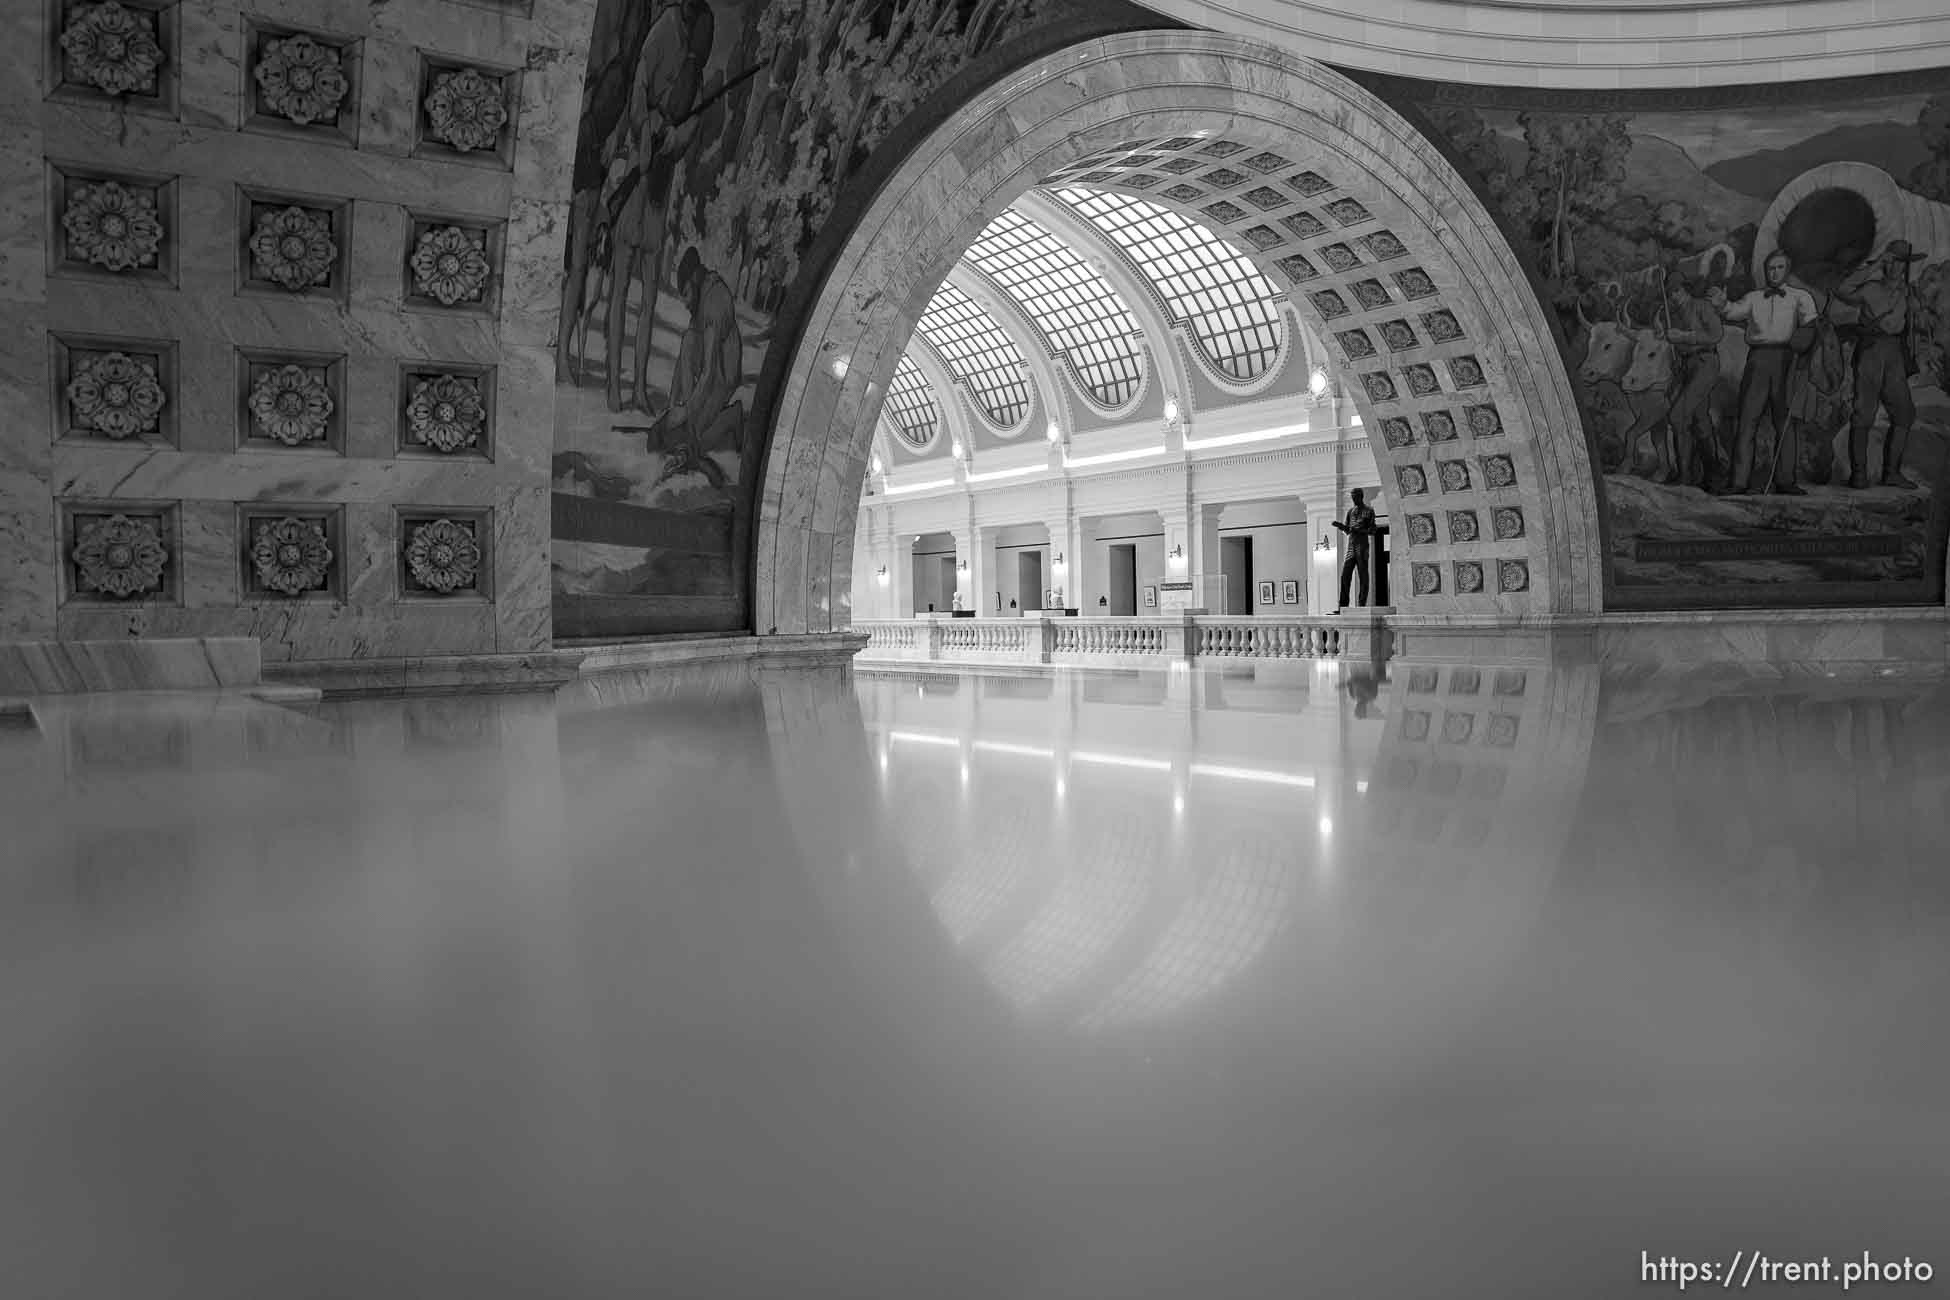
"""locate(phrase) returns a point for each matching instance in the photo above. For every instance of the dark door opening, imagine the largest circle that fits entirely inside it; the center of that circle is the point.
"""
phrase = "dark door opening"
(1029, 579)
(1122, 586)
(1236, 564)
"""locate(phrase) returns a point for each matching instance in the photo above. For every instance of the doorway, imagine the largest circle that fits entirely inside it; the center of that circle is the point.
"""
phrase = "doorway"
(1121, 587)
(1236, 564)
(1029, 579)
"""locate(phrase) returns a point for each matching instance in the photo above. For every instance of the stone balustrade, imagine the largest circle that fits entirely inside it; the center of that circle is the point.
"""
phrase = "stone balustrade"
(1035, 640)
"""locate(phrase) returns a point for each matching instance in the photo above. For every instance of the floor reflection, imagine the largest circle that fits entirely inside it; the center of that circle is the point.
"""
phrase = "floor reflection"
(1437, 979)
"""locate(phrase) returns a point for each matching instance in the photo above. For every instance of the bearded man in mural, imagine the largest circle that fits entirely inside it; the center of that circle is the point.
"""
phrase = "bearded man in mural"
(1885, 360)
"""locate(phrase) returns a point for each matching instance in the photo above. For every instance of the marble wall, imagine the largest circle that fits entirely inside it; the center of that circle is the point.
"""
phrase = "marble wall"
(276, 366)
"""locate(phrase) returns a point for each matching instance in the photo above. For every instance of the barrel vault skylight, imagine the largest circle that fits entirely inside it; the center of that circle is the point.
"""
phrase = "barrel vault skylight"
(1231, 309)
(979, 354)
(910, 405)
(1077, 311)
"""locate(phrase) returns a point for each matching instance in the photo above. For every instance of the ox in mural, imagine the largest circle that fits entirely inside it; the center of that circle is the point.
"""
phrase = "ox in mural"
(1755, 300)
(715, 137)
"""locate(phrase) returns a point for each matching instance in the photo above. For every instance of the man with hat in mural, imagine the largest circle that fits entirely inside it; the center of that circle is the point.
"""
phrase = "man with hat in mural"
(1692, 326)
(1885, 358)
(1780, 322)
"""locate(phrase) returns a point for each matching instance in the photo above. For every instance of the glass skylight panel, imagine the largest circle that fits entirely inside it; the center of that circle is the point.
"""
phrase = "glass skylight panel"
(980, 354)
(1231, 309)
(911, 403)
(1075, 308)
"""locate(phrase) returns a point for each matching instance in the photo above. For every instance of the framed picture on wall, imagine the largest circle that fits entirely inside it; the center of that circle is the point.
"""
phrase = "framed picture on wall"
(1290, 592)
(1266, 592)
(1150, 597)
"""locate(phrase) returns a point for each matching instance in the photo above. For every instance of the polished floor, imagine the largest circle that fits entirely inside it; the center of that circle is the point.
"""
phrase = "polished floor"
(1441, 981)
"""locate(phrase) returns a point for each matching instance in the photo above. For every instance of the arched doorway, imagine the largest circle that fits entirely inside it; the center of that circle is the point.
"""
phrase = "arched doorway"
(1382, 246)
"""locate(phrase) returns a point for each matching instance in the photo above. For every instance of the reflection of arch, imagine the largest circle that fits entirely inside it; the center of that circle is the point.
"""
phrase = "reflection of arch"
(1899, 213)
(1094, 98)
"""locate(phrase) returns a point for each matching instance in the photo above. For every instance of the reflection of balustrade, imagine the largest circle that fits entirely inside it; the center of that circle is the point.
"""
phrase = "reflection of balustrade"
(1081, 640)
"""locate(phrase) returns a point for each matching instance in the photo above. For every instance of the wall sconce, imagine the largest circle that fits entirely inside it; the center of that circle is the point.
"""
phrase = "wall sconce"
(1053, 433)
(1324, 544)
(1317, 382)
(881, 573)
(1057, 563)
(955, 449)
(961, 566)
(879, 466)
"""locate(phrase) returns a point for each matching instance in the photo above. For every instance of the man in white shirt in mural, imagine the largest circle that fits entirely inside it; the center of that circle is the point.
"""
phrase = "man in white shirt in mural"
(1779, 319)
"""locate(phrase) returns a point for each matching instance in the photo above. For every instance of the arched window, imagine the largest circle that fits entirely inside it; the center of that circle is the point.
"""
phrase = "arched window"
(1231, 309)
(979, 354)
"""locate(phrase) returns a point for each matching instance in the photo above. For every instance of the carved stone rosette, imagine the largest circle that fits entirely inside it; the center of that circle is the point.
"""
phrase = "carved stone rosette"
(466, 109)
(291, 556)
(446, 413)
(116, 395)
(112, 226)
(112, 48)
(290, 405)
(442, 555)
(301, 79)
(293, 248)
(450, 266)
(120, 557)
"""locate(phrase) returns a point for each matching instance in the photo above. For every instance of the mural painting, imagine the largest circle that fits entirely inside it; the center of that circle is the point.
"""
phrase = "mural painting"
(716, 138)
(1753, 286)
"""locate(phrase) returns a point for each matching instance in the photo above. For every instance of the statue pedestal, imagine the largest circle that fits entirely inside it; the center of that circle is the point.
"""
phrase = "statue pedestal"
(1364, 631)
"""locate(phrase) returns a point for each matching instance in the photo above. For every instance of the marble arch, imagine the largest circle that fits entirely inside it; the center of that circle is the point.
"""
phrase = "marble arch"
(1469, 554)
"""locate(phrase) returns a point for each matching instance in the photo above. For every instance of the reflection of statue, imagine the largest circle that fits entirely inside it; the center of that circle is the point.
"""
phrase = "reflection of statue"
(1360, 526)
(1885, 358)
(1780, 320)
(1363, 690)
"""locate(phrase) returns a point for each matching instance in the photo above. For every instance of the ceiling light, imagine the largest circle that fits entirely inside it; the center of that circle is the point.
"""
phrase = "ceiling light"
(1317, 382)
(1054, 433)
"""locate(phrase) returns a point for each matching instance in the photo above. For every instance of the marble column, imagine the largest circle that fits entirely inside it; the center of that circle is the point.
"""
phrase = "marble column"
(900, 574)
(987, 572)
(1197, 531)
(1323, 567)
(964, 576)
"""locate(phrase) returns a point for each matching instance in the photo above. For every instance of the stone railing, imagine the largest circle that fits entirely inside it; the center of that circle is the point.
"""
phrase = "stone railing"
(1037, 640)
(1267, 638)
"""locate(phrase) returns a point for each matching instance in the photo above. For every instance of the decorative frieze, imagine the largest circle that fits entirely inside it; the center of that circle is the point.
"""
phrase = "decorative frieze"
(1356, 344)
(1464, 527)
(443, 556)
(291, 401)
(1499, 471)
(1507, 521)
(466, 112)
(119, 552)
(446, 410)
(294, 245)
(301, 82)
(1469, 578)
(1454, 475)
(116, 51)
(116, 390)
(1414, 283)
(1426, 579)
(451, 264)
(1371, 294)
(1513, 575)
(1439, 425)
(291, 552)
(118, 226)
(1421, 380)
(1398, 336)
